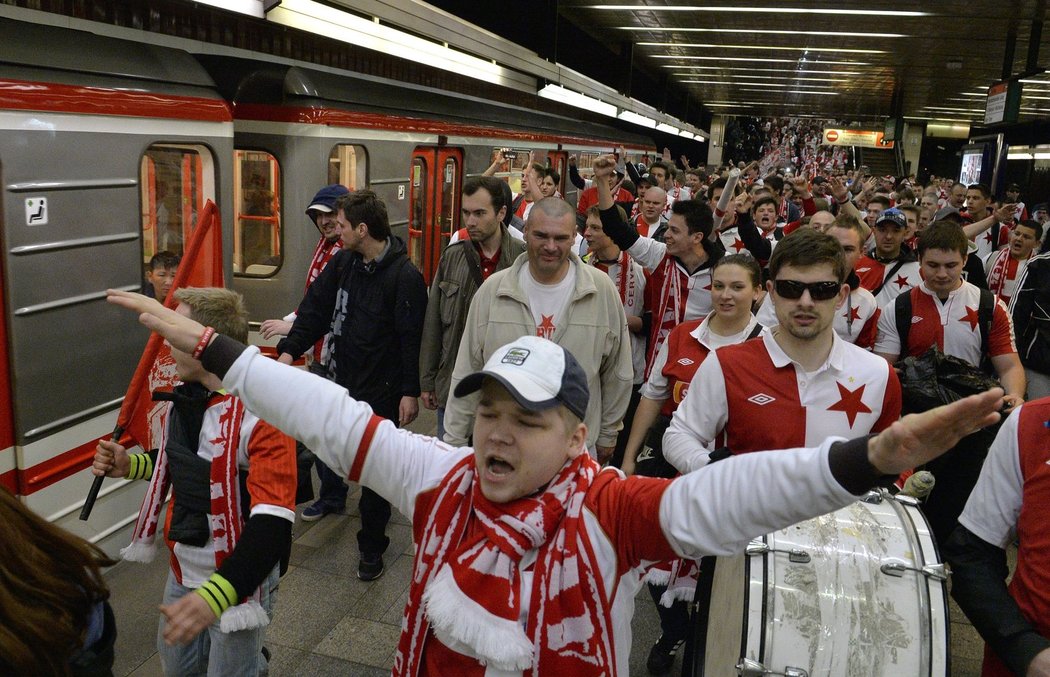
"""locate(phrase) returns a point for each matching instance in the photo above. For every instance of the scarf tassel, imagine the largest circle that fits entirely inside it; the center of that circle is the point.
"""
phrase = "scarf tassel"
(244, 616)
(680, 594)
(499, 642)
(139, 551)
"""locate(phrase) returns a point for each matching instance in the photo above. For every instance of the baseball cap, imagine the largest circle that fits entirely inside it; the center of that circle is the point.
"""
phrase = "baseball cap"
(817, 180)
(894, 216)
(326, 198)
(539, 374)
(1013, 188)
(1041, 207)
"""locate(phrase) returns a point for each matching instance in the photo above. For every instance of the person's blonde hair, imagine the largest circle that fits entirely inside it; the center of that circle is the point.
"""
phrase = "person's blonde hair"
(222, 309)
(49, 582)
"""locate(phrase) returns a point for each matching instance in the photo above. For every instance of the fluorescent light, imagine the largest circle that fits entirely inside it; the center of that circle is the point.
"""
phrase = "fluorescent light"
(250, 7)
(559, 93)
(1041, 156)
(781, 85)
(843, 34)
(664, 127)
(631, 116)
(757, 60)
(759, 10)
(764, 70)
(1019, 156)
(332, 23)
(796, 78)
(688, 135)
(769, 47)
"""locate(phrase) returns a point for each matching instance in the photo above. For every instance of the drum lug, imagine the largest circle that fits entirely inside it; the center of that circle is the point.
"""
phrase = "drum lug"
(874, 496)
(750, 668)
(907, 500)
(938, 572)
(795, 556)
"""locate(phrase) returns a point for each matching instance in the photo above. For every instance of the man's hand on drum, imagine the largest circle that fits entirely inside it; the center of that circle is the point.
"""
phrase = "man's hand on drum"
(918, 438)
(180, 331)
(1040, 665)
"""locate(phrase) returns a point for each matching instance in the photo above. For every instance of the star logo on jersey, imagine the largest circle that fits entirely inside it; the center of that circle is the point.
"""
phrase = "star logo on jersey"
(708, 287)
(988, 236)
(971, 317)
(850, 403)
(761, 399)
(902, 282)
(852, 313)
(685, 361)
(545, 329)
(738, 245)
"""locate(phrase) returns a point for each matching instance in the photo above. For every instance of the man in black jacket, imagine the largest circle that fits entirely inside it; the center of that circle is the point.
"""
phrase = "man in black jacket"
(374, 302)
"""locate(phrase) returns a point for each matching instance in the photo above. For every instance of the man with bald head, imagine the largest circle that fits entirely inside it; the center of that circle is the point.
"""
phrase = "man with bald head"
(549, 292)
(651, 221)
(822, 220)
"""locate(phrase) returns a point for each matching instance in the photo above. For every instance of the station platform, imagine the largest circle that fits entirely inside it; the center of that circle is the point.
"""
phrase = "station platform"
(329, 623)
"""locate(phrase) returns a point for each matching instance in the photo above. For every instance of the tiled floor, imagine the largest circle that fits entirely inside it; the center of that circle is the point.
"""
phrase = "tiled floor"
(329, 623)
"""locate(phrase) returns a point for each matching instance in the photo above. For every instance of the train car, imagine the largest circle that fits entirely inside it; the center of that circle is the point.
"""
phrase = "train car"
(111, 147)
(100, 136)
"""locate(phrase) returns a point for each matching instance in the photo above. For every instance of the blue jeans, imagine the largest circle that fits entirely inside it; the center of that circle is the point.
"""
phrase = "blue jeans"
(215, 653)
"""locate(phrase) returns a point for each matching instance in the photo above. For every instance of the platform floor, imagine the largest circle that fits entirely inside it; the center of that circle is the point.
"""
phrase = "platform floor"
(328, 623)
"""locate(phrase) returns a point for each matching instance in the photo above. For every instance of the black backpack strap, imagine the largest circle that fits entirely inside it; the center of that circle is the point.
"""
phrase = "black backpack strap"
(755, 332)
(887, 276)
(902, 318)
(985, 315)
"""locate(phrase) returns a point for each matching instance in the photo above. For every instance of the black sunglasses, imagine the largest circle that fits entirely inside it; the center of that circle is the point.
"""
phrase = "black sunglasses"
(818, 291)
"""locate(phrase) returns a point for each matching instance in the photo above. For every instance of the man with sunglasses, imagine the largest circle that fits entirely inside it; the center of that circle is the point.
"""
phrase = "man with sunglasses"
(798, 382)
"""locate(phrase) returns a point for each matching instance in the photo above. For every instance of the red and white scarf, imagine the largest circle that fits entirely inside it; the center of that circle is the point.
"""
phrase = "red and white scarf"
(670, 307)
(225, 518)
(1000, 273)
(324, 251)
(465, 581)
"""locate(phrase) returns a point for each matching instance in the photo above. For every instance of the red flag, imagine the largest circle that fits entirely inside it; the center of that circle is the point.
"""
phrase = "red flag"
(201, 266)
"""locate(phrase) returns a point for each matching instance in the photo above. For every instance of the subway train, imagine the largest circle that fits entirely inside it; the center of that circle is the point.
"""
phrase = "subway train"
(111, 147)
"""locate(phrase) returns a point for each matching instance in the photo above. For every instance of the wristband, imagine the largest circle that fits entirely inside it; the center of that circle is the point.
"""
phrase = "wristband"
(842, 202)
(203, 343)
(218, 593)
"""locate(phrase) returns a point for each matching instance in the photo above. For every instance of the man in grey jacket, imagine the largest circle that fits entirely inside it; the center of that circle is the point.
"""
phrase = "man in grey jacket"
(464, 266)
(552, 294)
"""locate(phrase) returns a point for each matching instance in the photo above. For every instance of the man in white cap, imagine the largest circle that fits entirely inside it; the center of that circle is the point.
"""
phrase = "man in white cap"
(528, 511)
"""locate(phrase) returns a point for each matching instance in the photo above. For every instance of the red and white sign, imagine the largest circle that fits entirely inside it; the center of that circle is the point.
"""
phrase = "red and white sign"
(856, 137)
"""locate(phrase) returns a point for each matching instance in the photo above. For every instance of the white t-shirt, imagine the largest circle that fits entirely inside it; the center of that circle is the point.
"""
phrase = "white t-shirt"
(548, 301)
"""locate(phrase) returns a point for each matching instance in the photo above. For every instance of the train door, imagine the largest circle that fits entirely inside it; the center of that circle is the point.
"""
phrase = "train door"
(436, 186)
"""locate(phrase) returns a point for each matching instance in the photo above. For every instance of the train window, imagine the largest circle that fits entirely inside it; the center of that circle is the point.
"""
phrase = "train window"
(257, 224)
(510, 170)
(450, 191)
(418, 215)
(586, 162)
(348, 165)
(174, 180)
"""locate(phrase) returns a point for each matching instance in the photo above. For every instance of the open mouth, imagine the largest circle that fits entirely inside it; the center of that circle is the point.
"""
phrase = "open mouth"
(497, 467)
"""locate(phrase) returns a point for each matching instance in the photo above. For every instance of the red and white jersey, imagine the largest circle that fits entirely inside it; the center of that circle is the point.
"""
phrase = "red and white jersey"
(1004, 272)
(752, 396)
(644, 228)
(676, 194)
(732, 243)
(1008, 504)
(872, 273)
(589, 198)
(952, 325)
(856, 322)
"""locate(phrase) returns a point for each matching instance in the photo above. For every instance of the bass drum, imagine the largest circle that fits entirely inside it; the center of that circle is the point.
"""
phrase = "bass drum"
(860, 591)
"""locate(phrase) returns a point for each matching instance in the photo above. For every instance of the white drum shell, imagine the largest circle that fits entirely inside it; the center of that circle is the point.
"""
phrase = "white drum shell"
(839, 613)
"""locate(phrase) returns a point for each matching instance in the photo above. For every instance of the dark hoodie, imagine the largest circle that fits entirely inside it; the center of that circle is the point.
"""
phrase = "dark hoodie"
(375, 312)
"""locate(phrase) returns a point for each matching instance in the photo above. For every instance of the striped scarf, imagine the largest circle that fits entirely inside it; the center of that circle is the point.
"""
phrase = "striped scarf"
(466, 582)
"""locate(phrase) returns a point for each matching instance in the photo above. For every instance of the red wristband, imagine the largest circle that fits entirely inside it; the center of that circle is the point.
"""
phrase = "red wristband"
(203, 343)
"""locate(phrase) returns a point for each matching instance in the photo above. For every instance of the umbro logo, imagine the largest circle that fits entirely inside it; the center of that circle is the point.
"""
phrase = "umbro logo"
(685, 361)
(863, 270)
(915, 319)
(761, 399)
(646, 454)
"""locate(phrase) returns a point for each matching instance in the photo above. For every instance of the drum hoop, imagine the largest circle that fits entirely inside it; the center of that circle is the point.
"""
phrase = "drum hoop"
(907, 519)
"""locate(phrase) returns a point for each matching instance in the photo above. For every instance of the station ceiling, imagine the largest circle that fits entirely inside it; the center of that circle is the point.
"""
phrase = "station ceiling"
(854, 61)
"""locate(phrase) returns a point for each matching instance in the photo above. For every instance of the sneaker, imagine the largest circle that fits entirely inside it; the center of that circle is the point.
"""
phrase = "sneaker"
(315, 511)
(370, 567)
(661, 656)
